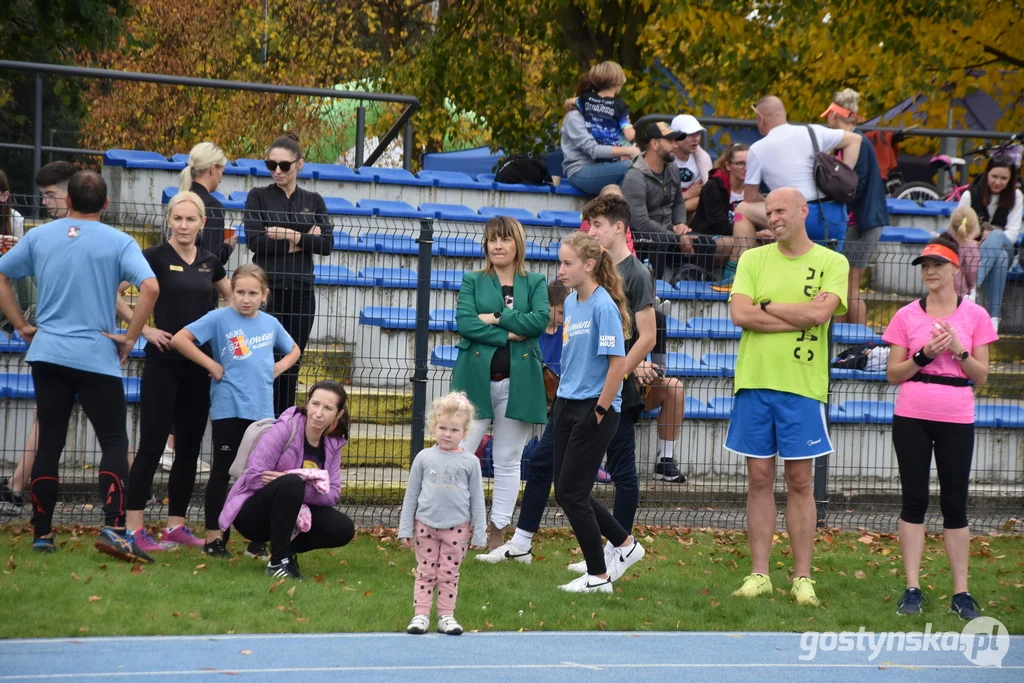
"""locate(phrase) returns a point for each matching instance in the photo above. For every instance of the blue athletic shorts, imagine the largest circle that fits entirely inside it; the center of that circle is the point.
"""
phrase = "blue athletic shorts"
(766, 422)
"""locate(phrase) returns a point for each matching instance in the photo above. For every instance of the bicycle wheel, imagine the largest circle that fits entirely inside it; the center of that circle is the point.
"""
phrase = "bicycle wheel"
(918, 191)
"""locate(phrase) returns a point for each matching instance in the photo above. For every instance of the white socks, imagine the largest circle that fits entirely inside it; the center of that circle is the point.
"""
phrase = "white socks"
(995, 324)
(522, 539)
(665, 449)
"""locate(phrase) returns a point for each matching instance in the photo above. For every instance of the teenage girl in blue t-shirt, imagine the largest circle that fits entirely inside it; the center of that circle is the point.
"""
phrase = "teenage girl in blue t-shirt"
(243, 339)
(586, 412)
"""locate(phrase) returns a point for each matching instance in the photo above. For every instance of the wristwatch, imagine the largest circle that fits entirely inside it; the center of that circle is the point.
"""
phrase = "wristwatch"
(497, 315)
(764, 305)
(962, 356)
(600, 410)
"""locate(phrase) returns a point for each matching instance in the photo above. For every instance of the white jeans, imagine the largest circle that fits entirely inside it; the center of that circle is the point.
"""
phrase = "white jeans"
(509, 438)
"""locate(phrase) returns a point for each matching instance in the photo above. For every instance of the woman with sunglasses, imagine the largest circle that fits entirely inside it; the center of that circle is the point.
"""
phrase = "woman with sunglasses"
(285, 226)
(995, 198)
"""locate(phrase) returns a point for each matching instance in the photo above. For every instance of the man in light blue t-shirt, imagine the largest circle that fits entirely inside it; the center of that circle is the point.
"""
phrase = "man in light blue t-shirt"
(78, 263)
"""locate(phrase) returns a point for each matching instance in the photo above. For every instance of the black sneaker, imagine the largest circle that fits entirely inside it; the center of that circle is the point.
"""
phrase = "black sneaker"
(257, 550)
(912, 602)
(965, 606)
(666, 470)
(216, 548)
(287, 568)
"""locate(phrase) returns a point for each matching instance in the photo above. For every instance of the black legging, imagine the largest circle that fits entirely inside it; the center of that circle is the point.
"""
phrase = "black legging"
(102, 399)
(295, 308)
(270, 514)
(175, 392)
(580, 443)
(227, 436)
(914, 441)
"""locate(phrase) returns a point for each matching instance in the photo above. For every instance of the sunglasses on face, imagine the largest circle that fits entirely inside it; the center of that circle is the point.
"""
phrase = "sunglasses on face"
(285, 166)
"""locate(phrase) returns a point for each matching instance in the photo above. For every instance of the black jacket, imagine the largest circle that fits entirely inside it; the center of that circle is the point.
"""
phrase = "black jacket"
(267, 207)
(712, 216)
(212, 237)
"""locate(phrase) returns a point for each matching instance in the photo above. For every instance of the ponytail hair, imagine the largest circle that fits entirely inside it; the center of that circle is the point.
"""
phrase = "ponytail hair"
(963, 222)
(202, 157)
(605, 274)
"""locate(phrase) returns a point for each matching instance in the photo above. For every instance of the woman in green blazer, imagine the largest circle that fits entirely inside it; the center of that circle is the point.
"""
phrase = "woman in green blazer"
(502, 312)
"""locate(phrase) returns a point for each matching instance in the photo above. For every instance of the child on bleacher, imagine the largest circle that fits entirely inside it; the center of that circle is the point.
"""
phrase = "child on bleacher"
(965, 228)
(606, 115)
(443, 508)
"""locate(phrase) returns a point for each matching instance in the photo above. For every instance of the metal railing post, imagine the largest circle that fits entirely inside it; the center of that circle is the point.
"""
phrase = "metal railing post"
(37, 132)
(421, 342)
(360, 134)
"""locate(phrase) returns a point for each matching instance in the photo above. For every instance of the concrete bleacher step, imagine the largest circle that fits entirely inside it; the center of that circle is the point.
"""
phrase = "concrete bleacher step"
(321, 360)
(373, 405)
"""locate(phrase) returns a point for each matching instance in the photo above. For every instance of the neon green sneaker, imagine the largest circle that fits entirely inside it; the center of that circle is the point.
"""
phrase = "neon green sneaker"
(803, 591)
(753, 586)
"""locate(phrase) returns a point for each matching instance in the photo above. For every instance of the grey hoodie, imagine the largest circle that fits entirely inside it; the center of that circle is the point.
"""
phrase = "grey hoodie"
(579, 147)
(655, 202)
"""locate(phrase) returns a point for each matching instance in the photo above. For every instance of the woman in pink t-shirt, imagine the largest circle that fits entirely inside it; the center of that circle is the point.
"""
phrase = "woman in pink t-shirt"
(939, 347)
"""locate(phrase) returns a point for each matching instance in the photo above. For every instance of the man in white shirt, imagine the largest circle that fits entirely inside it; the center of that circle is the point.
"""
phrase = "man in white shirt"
(693, 162)
(784, 157)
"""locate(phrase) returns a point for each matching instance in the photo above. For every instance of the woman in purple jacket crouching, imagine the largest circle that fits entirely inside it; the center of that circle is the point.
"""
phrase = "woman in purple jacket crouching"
(293, 481)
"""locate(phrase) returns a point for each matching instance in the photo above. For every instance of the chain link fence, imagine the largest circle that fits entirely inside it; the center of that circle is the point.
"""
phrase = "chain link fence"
(385, 327)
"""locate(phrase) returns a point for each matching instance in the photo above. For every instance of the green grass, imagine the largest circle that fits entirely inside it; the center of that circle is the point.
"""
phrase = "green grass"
(683, 584)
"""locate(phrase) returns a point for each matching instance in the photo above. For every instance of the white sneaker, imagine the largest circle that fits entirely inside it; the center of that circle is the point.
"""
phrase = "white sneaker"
(167, 459)
(972, 296)
(419, 625)
(995, 324)
(588, 584)
(624, 558)
(581, 566)
(202, 467)
(508, 551)
(448, 626)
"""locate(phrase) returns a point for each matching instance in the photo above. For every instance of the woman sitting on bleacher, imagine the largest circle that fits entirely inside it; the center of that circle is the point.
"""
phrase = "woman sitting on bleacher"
(285, 226)
(502, 312)
(995, 198)
(202, 175)
(939, 346)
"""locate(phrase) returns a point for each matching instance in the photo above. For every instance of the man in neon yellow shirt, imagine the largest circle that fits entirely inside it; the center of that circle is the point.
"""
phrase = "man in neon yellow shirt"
(783, 297)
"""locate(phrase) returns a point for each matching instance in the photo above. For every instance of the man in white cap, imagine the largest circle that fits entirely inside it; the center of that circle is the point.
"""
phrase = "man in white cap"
(693, 162)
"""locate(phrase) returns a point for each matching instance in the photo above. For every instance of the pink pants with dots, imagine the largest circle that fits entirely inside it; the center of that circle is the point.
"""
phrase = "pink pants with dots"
(439, 554)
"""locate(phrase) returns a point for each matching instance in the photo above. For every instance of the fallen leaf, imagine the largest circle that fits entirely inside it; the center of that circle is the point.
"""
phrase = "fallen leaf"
(74, 576)
(859, 575)
(94, 598)
(201, 566)
(715, 603)
(245, 652)
(603, 626)
(369, 593)
(277, 583)
(866, 540)
(137, 569)
(83, 629)
(175, 614)
(302, 620)
(291, 591)
(10, 563)
(318, 578)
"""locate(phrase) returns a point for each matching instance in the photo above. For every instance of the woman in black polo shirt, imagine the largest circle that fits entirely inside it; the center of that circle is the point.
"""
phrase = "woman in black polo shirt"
(175, 391)
(285, 226)
(202, 175)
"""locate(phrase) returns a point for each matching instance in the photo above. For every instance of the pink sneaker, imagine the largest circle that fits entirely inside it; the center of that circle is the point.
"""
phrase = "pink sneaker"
(145, 541)
(602, 476)
(181, 535)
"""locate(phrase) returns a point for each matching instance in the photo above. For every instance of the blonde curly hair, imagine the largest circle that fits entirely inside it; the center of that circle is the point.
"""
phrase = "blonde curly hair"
(457, 405)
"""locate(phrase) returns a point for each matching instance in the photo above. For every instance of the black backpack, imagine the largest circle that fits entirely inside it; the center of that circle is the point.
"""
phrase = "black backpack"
(855, 357)
(691, 272)
(523, 169)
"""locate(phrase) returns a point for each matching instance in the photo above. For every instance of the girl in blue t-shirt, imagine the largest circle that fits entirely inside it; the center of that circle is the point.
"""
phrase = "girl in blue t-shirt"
(586, 412)
(243, 340)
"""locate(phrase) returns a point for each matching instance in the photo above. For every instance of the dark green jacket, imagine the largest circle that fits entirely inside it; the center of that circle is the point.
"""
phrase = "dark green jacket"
(481, 293)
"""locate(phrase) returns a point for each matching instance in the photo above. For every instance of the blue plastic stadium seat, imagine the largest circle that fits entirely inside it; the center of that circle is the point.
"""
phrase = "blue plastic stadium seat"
(1015, 274)
(462, 247)
(565, 188)
(132, 389)
(485, 178)
(168, 194)
(521, 215)
(537, 252)
(454, 180)
(837, 415)
(15, 385)
(391, 209)
(182, 158)
(12, 344)
(563, 219)
(337, 275)
(944, 208)
(346, 242)
(234, 169)
(335, 173)
(697, 410)
(713, 328)
(691, 290)
(849, 333)
(393, 176)
(390, 243)
(452, 212)
(684, 365)
(398, 318)
(892, 233)
(998, 415)
(240, 233)
(259, 168)
(651, 414)
(875, 412)
(719, 408)
(233, 202)
(666, 291)
(676, 329)
(908, 207)
(444, 356)
(339, 206)
(446, 278)
(858, 375)
(725, 362)
(131, 158)
(393, 278)
(523, 187)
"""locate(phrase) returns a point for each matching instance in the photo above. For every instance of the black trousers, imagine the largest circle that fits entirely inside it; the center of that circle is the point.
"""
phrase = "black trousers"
(102, 399)
(175, 393)
(227, 436)
(914, 441)
(294, 307)
(580, 443)
(269, 515)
